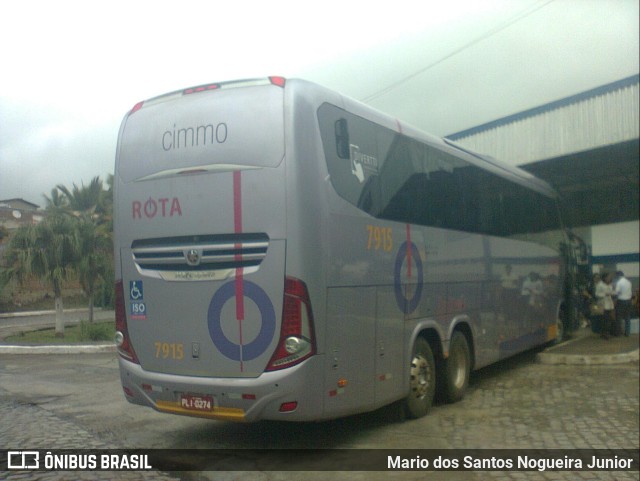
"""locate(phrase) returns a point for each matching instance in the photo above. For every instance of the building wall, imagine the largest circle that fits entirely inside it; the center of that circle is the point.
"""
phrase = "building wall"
(615, 247)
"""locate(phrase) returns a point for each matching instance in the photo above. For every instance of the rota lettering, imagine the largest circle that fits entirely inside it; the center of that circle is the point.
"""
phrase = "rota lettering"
(150, 208)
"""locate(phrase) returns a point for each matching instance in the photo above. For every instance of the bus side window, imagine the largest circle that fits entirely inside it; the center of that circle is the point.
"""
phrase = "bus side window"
(342, 139)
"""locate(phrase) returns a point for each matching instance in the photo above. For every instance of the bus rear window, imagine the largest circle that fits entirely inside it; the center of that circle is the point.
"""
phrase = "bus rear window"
(205, 132)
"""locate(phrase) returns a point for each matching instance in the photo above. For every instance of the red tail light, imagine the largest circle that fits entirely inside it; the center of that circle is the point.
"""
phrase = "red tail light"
(279, 81)
(123, 342)
(297, 338)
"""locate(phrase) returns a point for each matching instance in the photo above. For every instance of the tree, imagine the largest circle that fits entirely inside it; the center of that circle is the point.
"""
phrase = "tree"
(46, 250)
(4, 233)
(57, 203)
(94, 257)
(84, 200)
(74, 236)
(90, 206)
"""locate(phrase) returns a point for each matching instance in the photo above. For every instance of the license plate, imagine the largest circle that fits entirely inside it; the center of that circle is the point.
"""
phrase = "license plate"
(196, 403)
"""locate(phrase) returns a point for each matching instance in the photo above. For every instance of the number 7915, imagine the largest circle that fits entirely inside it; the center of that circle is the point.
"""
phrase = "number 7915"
(173, 350)
(380, 238)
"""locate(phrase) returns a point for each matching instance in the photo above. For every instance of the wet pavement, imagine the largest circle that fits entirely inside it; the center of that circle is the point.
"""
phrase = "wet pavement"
(581, 394)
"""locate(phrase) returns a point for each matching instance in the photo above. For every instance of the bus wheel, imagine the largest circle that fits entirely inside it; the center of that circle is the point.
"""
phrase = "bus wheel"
(422, 381)
(455, 369)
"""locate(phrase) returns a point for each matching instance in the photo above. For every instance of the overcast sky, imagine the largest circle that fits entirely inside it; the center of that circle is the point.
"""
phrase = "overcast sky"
(71, 70)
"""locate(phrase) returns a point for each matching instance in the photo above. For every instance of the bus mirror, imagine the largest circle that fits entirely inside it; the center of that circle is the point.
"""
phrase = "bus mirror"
(342, 139)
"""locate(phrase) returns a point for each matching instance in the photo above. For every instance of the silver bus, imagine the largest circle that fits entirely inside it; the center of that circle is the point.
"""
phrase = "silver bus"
(286, 253)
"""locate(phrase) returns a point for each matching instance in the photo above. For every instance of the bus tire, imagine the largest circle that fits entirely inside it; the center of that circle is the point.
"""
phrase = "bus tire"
(422, 380)
(455, 370)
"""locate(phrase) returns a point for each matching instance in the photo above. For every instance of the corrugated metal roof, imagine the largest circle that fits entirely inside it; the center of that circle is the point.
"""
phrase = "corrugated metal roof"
(585, 145)
(596, 92)
(602, 116)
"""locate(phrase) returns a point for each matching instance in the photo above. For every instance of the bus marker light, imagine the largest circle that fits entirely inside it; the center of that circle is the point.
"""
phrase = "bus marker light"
(342, 382)
(249, 397)
(127, 391)
(279, 81)
(201, 88)
(288, 406)
(136, 107)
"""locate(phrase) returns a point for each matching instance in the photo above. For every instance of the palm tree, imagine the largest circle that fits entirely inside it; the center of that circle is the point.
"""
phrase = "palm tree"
(94, 257)
(90, 206)
(57, 203)
(46, 250)
(84, 200)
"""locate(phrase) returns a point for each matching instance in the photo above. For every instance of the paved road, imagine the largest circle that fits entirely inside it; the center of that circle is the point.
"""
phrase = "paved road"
(68, 401)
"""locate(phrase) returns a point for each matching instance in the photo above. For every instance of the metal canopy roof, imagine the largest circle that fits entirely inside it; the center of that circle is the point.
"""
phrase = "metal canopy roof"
(585, 145)
(599, 186)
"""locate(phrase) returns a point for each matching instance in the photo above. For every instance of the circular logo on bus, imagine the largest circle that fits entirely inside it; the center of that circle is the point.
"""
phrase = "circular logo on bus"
(233, 350)
(408, 302)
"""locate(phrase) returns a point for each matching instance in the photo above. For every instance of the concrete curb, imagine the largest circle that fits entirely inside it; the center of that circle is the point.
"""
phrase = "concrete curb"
(61, 349)
(8, 315)
(548, 356)
(586, 359)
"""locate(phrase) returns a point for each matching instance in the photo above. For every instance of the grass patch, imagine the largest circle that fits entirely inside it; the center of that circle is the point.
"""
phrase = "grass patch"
(83, 332)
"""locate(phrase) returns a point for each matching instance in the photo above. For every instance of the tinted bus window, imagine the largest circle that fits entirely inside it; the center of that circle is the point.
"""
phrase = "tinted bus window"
(394, 177)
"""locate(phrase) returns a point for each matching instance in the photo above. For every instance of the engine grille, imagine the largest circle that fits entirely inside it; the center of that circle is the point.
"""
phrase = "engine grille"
(200, 253)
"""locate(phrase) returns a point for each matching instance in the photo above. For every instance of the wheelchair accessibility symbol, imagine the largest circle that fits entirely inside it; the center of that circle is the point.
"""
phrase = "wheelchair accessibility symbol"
(137, 307)
(240, 351)
(135, 290)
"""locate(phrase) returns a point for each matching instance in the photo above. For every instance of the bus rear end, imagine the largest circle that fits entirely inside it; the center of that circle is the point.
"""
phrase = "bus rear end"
(208, 324)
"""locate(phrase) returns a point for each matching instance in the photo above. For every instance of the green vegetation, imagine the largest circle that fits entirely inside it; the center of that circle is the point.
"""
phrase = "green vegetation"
(83, 332)
(44, 304)
(74, 238)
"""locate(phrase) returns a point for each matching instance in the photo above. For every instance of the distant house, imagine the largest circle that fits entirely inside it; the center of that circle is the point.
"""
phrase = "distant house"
(15, 213)
(20, 204)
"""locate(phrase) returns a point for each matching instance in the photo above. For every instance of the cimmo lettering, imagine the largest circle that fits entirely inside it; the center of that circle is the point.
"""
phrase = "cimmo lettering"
(151, 208)
(195, 136)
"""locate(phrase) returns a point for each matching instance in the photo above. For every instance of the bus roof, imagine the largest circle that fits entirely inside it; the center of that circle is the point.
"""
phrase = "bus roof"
(357, 107)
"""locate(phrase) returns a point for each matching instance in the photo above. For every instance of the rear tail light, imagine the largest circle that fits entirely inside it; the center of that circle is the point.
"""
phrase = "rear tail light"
(297, 339)
(288, 406)
(279, 81)
(123, 342)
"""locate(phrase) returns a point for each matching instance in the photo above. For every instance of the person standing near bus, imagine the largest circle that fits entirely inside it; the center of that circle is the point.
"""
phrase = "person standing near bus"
(623, 303)
(604, 297)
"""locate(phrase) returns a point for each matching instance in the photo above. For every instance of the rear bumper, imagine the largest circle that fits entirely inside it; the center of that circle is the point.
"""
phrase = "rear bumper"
(235, 399)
